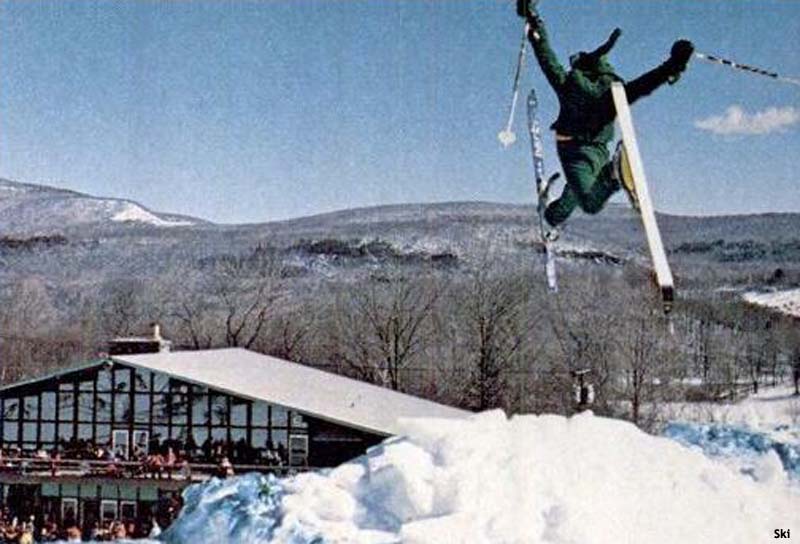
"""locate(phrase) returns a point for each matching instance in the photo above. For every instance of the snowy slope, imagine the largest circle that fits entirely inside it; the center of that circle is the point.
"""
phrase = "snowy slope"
(771, 407)
(773, 413)
(787, 302)
(454, 236)
(27, 208)
(490, 480)
(128, 211)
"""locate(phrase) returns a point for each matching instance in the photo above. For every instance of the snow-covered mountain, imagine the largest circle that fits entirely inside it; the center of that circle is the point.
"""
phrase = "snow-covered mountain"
(108, 237)
(27, 208)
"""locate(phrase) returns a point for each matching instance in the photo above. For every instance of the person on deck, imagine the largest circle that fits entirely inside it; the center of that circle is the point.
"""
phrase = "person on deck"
(585, 123)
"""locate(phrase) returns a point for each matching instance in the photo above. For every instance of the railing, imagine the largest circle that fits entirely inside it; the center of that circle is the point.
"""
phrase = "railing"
(32, 466)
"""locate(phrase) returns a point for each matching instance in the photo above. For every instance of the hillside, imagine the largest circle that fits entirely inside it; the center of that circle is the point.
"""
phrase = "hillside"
(27, 208)
(67, 237)
(787, 301)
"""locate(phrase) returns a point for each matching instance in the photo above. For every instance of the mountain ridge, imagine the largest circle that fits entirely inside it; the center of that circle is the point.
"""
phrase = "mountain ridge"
(364, 214)
(65, 237)
(28, 208)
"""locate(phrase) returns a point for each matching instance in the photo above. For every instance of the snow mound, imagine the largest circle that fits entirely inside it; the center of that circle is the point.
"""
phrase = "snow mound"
(244, 509)
(131, 212)
(787, 301)
(487, 479)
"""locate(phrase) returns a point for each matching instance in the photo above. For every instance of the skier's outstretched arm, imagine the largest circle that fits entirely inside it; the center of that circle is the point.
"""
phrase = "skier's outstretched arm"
(553, 70)
(667, 72)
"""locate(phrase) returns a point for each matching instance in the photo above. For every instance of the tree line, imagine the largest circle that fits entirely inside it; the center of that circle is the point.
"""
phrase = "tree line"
(482, 338)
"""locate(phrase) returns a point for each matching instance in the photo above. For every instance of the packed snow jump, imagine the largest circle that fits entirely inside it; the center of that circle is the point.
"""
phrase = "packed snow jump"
(591, 96)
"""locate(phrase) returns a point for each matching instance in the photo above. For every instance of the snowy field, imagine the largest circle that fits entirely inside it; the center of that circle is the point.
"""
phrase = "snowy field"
(787, 302)
(774, 411)
(530, 479)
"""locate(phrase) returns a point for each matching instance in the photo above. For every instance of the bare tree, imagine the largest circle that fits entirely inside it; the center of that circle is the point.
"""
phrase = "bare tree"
(26, 316)
(491, 312)
(732, 355)
(652, 364)
(381, 327)
(245, 301)
(796, 369)
(640, 363)
(228, 305)
(585, 324)
(189, 310)
(290, 334)
(121, 307)
(757, 348)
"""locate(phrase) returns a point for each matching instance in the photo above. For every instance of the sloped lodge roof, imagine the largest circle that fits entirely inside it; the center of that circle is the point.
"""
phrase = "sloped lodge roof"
(254, 376)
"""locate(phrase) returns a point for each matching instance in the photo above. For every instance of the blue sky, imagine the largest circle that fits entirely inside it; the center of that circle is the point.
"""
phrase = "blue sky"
(246, 111)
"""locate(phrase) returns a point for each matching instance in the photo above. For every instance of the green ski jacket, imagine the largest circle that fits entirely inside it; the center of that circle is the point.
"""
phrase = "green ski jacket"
(587, 110)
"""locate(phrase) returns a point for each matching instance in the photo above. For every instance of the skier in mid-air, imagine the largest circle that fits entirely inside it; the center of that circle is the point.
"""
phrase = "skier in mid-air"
(585, 124)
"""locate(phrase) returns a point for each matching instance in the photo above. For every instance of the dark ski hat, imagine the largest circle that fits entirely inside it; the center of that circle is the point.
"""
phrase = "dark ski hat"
(597, 60)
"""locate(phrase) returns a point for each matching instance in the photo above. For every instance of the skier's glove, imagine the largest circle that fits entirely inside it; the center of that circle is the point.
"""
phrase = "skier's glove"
(681, 52)
(535, 27)
(526, 7)
(534, 21)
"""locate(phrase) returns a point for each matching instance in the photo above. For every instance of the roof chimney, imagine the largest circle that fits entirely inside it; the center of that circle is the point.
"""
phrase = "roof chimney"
(132, 345)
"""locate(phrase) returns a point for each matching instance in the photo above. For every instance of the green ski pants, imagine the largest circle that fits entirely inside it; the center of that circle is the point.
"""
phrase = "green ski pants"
(587, 169)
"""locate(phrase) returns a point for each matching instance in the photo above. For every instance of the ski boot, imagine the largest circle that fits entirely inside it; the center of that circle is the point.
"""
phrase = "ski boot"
(550, 233)
(621, 173)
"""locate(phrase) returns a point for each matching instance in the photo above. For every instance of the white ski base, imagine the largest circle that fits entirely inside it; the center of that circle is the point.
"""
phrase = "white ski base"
(549, 250)
(542, 187)
(550, 268)
(647, 211)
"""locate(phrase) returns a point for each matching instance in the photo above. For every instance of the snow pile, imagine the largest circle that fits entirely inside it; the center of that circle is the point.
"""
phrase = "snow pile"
(531, 479)
(243, 509)
(787, 302)
(132, 212)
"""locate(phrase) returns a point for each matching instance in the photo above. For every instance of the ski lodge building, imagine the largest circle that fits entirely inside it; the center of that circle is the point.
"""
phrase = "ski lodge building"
(119, 437)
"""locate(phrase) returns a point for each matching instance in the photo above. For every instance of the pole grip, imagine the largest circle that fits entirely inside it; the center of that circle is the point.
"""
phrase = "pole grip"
(523, 8)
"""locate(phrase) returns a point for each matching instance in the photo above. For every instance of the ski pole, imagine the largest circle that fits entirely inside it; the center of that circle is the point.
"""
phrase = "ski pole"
(507, 136)
(752, 69)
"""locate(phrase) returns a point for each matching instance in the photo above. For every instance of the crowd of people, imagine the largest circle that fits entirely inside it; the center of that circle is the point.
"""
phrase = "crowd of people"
(239, 452)
(47, 529)
(12, 530)
(156, 458)
(28, 532)
(211, 451)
